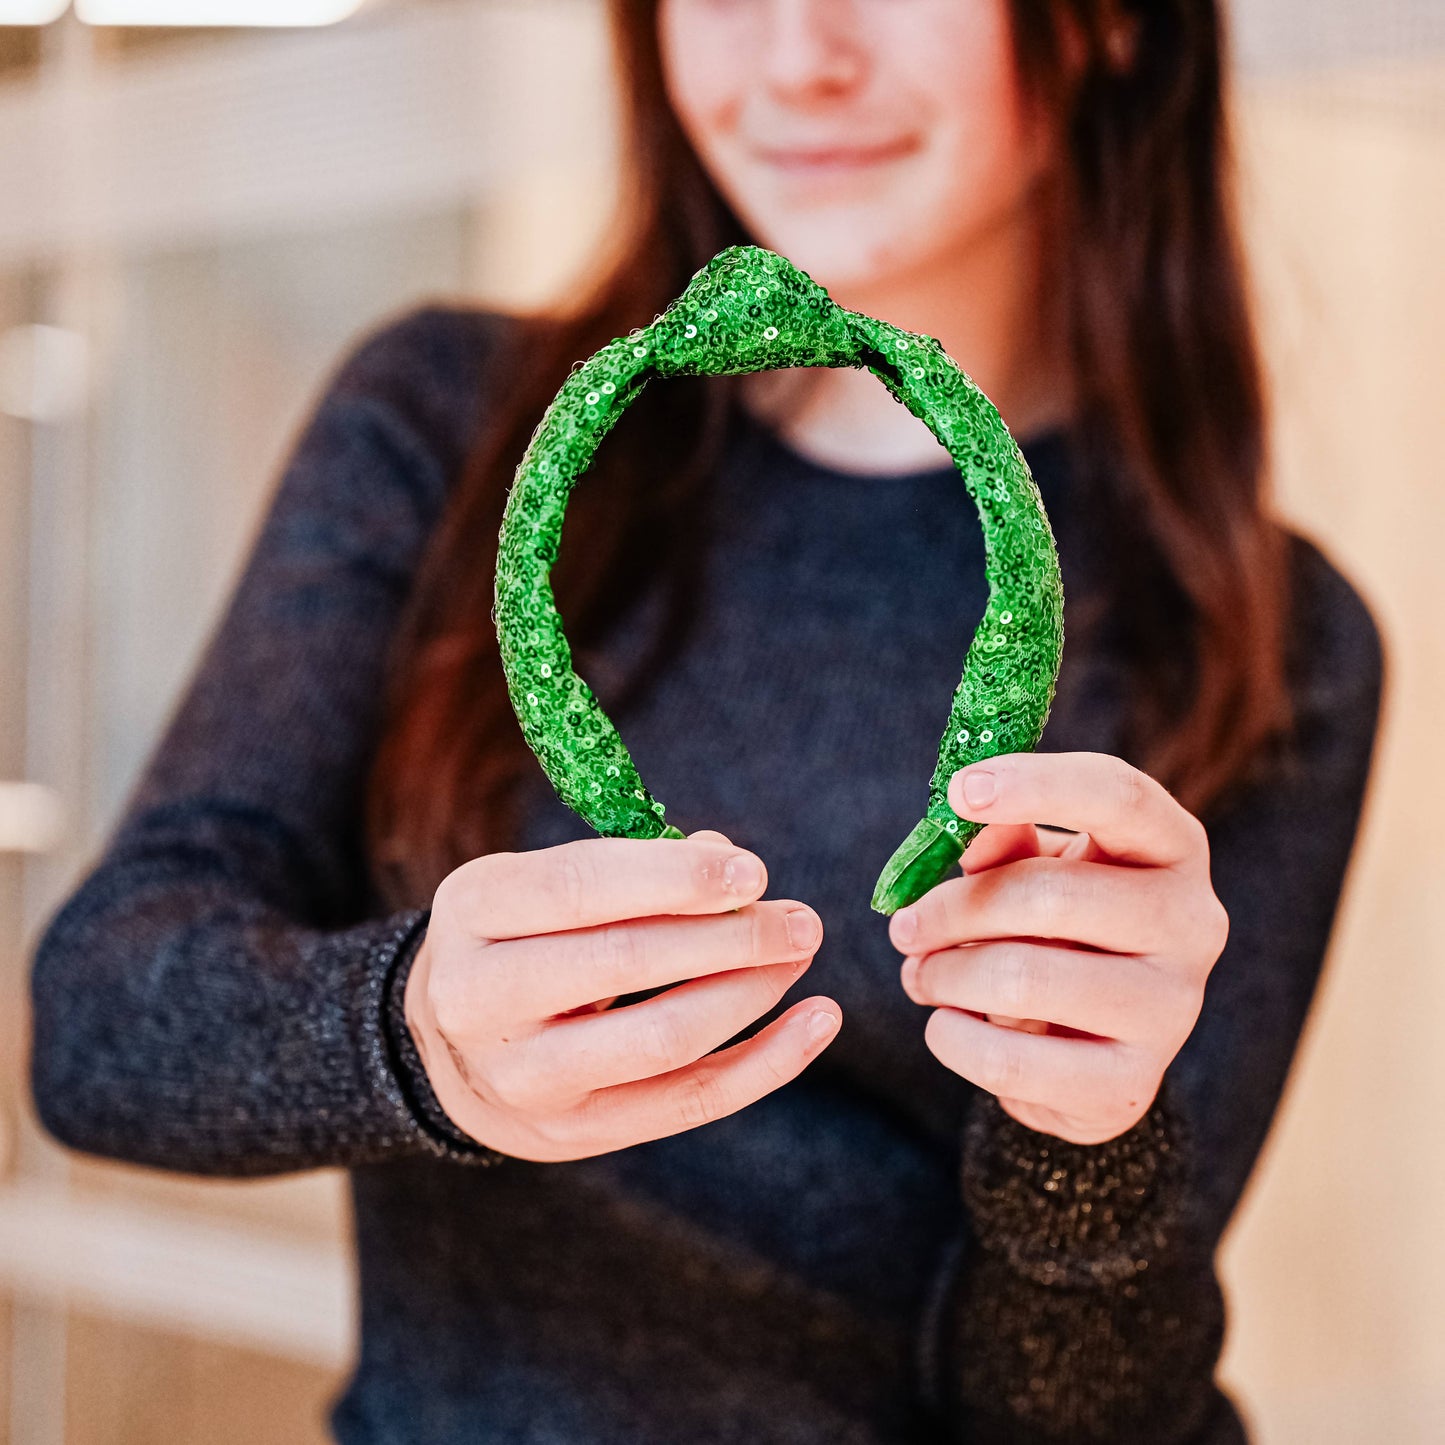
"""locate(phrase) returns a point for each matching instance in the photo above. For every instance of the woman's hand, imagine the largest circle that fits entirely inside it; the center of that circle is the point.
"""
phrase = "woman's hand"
(1066, 970)
(508, 997)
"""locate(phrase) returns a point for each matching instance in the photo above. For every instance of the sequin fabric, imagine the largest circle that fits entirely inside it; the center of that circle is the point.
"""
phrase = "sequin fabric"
(750, 309)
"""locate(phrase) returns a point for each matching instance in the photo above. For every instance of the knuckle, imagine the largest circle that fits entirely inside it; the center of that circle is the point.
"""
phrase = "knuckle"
(615, 959)
(447, 999)
(462, 895)
(569, 881)
(1001, 1064)
(1168, 1008)
(563, 1132)
(664, 1042)
(484, 873)
(1188, 1004)
(587, 1114)
(753, 927)
(777, 1066)
(1131, 789)
(943, 910)
(515, 1085)
(1220, 926)
(1020, 979)
(563, 1097)
(535, 1084)
(1055, 888)
(698, 1097)
(1208, 930)
(444, 898)
(1140, 1083)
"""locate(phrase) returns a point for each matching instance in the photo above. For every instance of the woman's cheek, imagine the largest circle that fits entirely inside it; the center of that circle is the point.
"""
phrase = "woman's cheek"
(987, 150)
(704, 52)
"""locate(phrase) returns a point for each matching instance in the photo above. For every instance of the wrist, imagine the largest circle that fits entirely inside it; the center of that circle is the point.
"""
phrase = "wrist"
(415, 1056)
(414, 1007)
(1071, 1214)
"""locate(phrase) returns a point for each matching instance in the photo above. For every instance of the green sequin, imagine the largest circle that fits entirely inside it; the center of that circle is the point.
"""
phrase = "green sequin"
(747, 310)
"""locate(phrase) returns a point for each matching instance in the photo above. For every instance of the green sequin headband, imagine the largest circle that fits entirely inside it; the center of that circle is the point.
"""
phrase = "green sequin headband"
(748, 310)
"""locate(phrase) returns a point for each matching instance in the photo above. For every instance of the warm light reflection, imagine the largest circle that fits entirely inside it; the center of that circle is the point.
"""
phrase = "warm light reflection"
(215, 12)
(44, 373)
(31, 12)
(32, 818)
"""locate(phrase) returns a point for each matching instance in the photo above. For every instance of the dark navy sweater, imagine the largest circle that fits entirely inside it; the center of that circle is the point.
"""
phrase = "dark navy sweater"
(872, 1253)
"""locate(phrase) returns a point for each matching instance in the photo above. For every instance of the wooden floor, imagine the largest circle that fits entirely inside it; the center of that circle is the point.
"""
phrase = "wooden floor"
(129, 1385)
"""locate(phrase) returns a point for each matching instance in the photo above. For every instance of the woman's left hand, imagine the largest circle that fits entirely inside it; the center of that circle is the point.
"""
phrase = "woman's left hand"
(1091, 948)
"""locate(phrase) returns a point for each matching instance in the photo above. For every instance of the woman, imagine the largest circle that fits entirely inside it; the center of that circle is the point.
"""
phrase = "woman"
(346, 922)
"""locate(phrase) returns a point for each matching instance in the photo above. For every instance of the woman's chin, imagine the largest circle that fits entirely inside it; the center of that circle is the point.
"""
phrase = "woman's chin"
(842, 249)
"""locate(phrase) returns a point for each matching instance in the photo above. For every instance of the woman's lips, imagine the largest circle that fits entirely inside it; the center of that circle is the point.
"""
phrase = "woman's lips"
(834, 159)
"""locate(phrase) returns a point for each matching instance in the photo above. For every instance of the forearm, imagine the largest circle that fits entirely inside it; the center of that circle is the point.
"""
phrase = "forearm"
(1081, 1309)
(212, 997)
(186, 1025)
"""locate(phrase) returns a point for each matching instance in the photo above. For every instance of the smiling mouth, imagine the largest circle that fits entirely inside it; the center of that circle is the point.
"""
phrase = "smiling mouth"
(831, 159)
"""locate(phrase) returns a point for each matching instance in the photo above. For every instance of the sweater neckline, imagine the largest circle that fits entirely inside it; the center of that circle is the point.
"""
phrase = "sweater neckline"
(1042, 450)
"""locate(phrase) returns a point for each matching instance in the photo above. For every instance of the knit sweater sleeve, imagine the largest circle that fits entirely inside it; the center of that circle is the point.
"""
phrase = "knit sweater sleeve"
(213, 996)
(1082, 1303)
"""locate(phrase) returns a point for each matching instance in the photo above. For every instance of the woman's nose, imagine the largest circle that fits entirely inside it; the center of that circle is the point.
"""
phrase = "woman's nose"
(812, 47)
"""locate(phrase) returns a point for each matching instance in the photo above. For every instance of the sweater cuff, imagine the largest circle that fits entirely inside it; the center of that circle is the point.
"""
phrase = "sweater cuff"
(443, 1136)
(1076, 1214)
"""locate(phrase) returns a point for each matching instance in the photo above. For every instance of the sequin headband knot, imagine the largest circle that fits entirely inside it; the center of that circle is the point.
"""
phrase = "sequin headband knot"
(748, 310)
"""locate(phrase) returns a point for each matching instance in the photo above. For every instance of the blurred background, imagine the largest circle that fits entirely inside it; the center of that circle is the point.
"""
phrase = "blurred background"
(196, 221)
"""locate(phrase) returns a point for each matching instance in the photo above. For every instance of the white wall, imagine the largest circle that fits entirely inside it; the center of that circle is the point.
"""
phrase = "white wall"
(1336, 1264)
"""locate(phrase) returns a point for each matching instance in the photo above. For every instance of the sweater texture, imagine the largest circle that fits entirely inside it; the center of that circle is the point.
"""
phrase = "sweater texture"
(874, 1252)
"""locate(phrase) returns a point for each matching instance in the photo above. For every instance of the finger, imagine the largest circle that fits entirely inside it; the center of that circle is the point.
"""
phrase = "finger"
(1109, 995)
(1029, 1026)
(1000, 843)
(592, 881)
(597, 1006)
(1052, 1121)
(542, 977)
(568, 1059)
(1082, 1078)
(1129, 815)
(1120, 910)
(715, 1086)
(710, 833)
(1065, 843)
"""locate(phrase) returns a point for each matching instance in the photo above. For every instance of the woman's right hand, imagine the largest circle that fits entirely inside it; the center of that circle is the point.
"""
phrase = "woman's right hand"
(508, 997)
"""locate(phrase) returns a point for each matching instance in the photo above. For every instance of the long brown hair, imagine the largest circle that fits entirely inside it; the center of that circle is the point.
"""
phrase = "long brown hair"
(1169, 432)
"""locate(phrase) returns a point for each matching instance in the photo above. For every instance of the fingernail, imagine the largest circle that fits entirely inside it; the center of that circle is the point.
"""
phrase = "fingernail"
(742, 873)
(978, 789)
(802, 926)
(905, 925)
(821, 1023)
